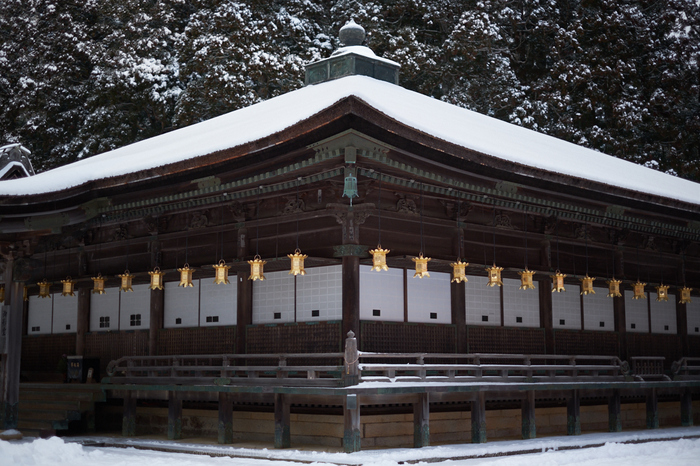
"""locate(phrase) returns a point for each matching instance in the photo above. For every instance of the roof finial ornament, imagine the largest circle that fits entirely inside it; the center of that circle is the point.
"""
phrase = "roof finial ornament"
(351, 34)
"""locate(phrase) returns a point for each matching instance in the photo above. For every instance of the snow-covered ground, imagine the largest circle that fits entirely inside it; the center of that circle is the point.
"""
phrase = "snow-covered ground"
(603, 450)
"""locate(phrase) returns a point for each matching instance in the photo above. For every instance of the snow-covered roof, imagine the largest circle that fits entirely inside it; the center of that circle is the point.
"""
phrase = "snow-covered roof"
(450, 123)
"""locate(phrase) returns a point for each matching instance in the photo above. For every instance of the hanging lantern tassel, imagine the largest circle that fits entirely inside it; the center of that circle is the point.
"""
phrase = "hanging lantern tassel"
(685, 295)
(98, 284)
(587, 285)
(494, 276)
(639, 290)
(44, 289)
(558, 282)
(25, 293)
(2, 294)
(126, 278)
(256, 268)
(614, 288)
(379, 258)
(221, 277)
(297, 262)
(662, 292)
(458, 271)
(156, 279)
(186, 276)
(526, 280)
(68, 287)
(421, 266)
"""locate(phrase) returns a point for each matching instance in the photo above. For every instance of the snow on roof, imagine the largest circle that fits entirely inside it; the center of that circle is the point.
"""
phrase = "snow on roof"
(363, 51)
(453, 124)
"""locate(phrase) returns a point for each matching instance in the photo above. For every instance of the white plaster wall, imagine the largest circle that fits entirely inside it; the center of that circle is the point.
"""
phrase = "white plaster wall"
(135, 302)
(274, 294)
(598, 308)
(218, 300)
(39, 315)
(320, 289)
(180, 302)
(520, 303)
(65, 313)
(637, 313)
(693, 314)
(383, 291)
(430, 295)
(104, 305)
(567, 306)
(663, 313)
(482, 300)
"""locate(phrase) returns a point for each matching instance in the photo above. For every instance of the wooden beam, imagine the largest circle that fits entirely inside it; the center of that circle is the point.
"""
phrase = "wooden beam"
(351, 423)
(129, 416)
(225, 418)
(573, 413)
(529, 429)
(652, 409)
(174, 415)
(478, 407)
(282, 421)
(614, 414)
(686, 408)
(421, 421)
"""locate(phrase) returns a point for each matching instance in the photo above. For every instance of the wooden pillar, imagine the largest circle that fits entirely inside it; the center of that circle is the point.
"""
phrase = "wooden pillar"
(174, 415)
(13, 309)
(351, 428)
(573, 413)
(421, 421)
(529, 429)
(244, 301)
(686, 408)
(545, 289)
(652, 409)
(225, 418)
(459, 316)
(351, 295)
(156, 322)
(621, 324)
(129, 416)
(682, 326)
(83, 325)
(282, 421)
(614, 414)
(478, 414)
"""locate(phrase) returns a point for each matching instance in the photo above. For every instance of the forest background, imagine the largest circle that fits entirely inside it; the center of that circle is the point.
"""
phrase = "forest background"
(78, 78)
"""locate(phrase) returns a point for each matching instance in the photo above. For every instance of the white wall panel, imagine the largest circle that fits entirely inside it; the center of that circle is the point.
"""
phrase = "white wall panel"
(320, 290)
(483, 303)
(39, 315)
(65, 313)
(522, 304)
(663, 315)
(636, 313)
(218, 302)
(597, 309)
(566, 307)
(274, 296)
(693, 314)
(382, 292)
(429, 299)
(180, 303)
(104, 305)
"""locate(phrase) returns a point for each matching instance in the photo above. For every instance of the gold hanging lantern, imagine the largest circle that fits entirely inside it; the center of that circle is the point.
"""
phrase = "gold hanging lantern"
(297, 262)
(379, 258)
(186, 276)
(2, 294)
(638, 289)
(685, 295)
(614, 288)
(221, 277)
(494, 276)
(526, 280)
(98, 284)
(587, 285)
(558, 282)
(156, 279)
(256, 268)
(662, 292)
(68, 287)
(126, 278)
(458, 272)
(421, 266)
(44, 289)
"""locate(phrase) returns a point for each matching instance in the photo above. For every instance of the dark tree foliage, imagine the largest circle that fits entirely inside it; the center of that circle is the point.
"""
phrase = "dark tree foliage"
(618, 76)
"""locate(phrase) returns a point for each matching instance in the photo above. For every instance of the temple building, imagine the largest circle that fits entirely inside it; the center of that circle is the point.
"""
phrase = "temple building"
(349, 205)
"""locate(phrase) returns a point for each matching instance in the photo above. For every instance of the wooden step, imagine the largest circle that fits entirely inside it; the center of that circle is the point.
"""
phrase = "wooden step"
(41, 425)
(43, 415)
